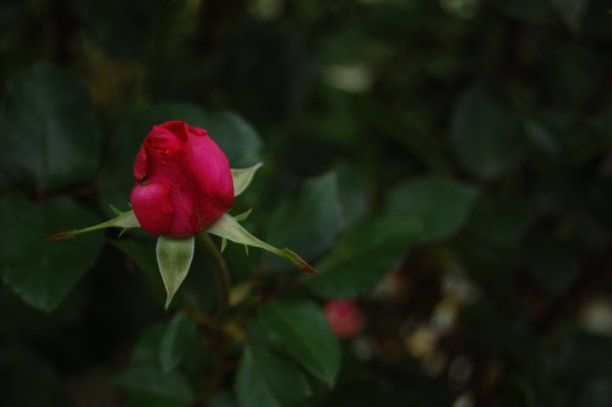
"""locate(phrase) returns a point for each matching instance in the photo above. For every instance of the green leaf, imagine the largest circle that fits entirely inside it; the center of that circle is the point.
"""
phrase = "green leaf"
(486, 137)
(299, 329)
(266, 379)
(179, 334)
(352, 193)
(152, 381)
(242, 177)
(228, 228)
(146, 351)
(174, 256)
(236, 137)
(363, 255)
(311, 221)
(442, 204)
(125, 220)
(241, 217)
(49, 132)
(43, 273)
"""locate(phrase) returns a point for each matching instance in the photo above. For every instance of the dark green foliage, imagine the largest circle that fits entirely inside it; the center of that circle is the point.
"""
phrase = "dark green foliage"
(43, 273)
(445, 164)
(299, 329)
(50, 136)
(363, 255)
(266, 379)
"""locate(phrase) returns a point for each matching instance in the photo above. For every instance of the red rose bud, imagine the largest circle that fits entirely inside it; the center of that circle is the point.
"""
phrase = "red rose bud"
(183, 181)
(344, 317)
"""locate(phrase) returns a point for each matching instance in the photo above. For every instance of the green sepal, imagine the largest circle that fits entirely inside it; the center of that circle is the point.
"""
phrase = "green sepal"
(227, 227)
(242, 177)
(124, 220)
(115, 210)
(174, 256)
(241, 217)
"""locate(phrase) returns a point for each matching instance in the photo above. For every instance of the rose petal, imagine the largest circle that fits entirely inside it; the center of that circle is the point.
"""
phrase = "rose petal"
(198, 131)
(162, 139)
(178, 128)
(140, 165)
(153, 207)
(195, 170)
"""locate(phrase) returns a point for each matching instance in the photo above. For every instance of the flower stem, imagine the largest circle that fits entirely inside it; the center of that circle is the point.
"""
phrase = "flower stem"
(222, 274)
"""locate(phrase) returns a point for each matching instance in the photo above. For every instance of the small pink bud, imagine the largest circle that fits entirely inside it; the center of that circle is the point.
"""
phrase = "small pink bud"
(344, 317)
(183, 181)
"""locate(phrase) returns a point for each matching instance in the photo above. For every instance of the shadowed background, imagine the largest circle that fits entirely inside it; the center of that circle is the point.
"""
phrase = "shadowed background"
(447, 164)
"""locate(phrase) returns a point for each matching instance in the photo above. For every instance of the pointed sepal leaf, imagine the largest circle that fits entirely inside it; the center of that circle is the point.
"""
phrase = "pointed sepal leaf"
(174, 256)
(124, 220)
(227, 227)
(242, 177)
(116, 211)
(241, 217)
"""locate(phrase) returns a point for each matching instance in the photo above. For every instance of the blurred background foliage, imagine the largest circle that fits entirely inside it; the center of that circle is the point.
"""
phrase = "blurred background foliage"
(447, 164)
